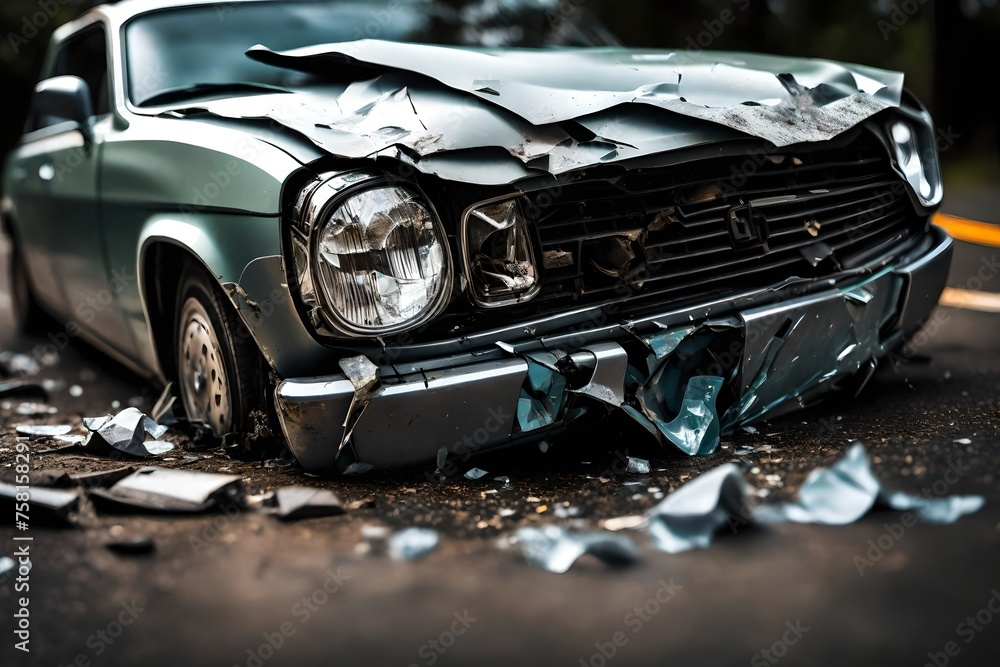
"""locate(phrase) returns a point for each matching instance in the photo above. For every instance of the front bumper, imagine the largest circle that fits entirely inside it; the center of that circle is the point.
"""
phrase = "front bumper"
(771, 353)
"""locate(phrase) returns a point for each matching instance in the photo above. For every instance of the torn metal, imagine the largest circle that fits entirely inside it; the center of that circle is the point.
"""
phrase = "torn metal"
(364, 377)
(688, 385)
(691, 516)
(555, 549)
(126, 432)
(553, 111)
(848, 490)
(156, 489)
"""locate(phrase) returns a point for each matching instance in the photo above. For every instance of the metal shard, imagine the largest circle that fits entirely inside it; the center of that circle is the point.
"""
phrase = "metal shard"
(555, 549)
(639, 466)
(847, 490)
(43, 430)
(126, 432)
(300, 502)
(166, 490)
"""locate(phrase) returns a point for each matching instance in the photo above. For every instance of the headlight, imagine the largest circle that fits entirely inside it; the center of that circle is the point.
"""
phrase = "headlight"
(500, 257)
(380, 262)
(916, 154)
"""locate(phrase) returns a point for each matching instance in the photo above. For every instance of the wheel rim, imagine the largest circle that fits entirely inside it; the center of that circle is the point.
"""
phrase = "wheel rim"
(204, 384)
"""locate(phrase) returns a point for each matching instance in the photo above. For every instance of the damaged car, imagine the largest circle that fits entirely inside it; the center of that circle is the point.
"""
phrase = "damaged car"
(402, 229)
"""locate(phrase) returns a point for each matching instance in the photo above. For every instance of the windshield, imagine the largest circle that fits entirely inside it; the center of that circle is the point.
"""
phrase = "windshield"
(184, 47)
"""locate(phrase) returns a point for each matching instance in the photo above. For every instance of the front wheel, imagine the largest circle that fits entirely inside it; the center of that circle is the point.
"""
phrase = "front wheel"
(220, 372)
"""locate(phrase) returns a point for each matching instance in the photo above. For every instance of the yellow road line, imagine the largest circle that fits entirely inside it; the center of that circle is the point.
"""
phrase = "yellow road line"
(969, 230)
(984, 302)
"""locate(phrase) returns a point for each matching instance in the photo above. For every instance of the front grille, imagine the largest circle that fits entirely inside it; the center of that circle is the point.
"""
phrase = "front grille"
(722, 225)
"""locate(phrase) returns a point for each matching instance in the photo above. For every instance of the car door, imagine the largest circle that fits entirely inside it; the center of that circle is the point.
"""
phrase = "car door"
(56, 175)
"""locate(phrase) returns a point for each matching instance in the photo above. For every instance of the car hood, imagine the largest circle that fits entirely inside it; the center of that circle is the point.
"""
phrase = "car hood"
(495, 116)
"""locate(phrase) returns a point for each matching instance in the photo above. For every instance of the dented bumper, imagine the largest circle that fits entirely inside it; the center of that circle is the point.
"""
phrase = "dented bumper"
(686, 382)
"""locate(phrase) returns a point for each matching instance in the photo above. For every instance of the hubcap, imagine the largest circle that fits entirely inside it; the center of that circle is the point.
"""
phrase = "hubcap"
(204, 385)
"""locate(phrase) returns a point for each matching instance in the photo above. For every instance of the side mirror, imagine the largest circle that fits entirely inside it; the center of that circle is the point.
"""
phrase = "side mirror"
(66, 97)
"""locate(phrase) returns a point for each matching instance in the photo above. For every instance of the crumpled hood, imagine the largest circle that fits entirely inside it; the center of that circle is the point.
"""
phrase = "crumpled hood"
(494, 116)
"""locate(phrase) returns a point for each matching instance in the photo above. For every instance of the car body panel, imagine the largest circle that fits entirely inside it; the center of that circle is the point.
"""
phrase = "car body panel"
(218, 179)
(472, 408)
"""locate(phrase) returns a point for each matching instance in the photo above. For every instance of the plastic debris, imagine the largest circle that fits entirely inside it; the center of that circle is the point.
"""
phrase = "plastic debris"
(476, 473)
(638, 466)
(126, 432)
(7, 565)
(43, 430)
(166, 490)
(503, 479)
(46, 505)
(413, 543)
(442, 457)
(555, 549)
(300, 502)
(19, 388)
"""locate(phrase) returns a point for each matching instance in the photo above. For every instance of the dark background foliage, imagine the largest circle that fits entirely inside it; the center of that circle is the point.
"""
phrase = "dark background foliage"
(945, 47)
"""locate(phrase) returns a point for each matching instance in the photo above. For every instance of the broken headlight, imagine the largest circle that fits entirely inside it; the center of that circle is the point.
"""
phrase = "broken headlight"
(380, 262)
(500, 257)
(916, 154)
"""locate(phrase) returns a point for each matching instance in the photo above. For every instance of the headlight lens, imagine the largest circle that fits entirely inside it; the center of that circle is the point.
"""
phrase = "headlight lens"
(917, 156)
(381, 262)
(500, 255)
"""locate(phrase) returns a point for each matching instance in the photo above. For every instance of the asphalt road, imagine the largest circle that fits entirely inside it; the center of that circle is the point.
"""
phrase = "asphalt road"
(248, 590)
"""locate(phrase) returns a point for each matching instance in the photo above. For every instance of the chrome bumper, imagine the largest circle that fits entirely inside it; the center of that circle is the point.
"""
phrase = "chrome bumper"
(793, 348)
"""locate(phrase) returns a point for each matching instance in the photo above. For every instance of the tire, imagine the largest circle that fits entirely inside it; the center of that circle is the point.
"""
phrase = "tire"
(221, 374)
(28, 316)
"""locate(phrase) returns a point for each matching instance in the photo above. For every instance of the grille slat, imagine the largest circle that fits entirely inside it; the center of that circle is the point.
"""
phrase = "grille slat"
(852, 193)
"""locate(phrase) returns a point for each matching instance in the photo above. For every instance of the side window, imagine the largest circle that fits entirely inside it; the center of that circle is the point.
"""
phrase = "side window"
(84, 55)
